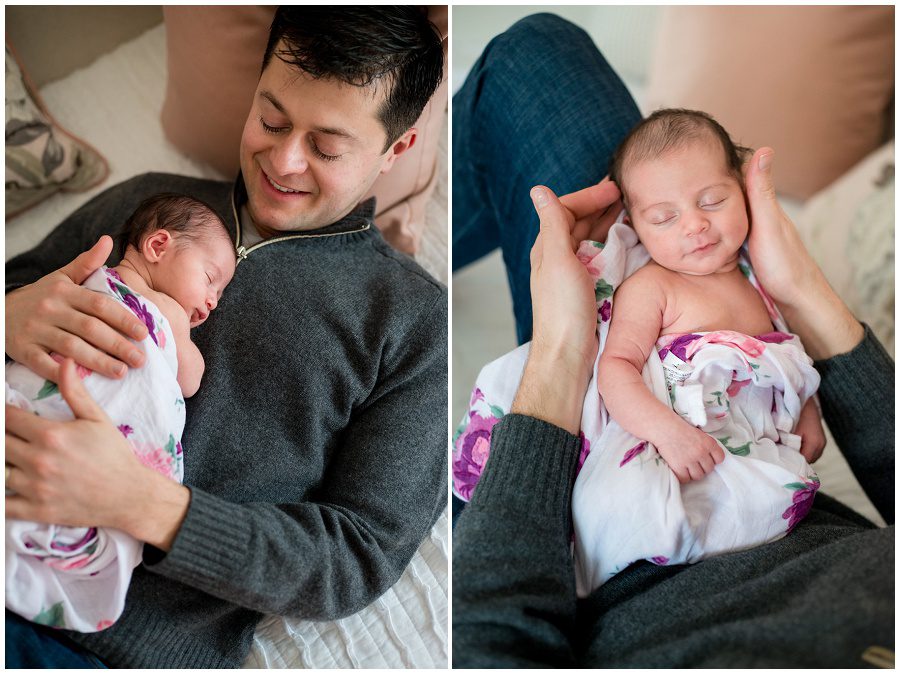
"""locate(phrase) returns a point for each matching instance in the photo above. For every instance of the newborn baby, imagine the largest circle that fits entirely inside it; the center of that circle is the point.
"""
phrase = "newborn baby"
(734, 386)
(680, 177)
(177, 258)
(699, 429)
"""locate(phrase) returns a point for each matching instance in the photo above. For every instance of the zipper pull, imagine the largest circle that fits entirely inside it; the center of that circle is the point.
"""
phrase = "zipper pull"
(241, 255)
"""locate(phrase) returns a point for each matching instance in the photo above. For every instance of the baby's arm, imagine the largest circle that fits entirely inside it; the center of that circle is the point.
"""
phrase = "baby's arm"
(636, 322)
(190, 360)
(812, 434)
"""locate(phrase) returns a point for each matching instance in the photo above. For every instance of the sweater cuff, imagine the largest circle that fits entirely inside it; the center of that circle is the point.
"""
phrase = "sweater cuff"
(531, 466)
(210, 546)
(867, 364)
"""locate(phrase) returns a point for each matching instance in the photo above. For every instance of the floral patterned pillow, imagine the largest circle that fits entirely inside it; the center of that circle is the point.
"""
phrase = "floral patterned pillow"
(42, 158)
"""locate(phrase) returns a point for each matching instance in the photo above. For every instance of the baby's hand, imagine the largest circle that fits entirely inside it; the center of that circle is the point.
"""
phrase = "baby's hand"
(812, 435)
(691, 453)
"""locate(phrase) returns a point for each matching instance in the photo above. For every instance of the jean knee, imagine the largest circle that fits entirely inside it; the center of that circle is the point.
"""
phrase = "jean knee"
(541, 32)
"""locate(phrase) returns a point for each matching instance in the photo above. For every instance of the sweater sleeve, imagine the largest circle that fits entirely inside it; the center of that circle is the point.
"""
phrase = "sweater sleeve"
(78, 232)
(857, 396)
(382, 491)
(514, 598)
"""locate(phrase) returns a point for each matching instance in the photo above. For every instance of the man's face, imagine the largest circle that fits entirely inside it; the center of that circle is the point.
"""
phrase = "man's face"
(311, 149)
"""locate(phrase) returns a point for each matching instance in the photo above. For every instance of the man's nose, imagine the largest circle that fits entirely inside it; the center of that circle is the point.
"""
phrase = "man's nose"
(288, 155)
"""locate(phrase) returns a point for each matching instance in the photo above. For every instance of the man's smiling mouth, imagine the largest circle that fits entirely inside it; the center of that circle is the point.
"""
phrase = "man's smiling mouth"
(282, 188)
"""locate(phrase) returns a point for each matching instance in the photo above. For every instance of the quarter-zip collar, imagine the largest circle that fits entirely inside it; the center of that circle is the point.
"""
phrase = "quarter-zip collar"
(358, 220)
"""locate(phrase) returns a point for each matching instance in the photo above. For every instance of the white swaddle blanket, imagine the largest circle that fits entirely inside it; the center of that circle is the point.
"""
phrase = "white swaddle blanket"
(76, 578)
(627, 503)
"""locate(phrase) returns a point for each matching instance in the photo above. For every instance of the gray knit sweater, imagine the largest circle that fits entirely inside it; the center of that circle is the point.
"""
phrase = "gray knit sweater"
(315, 450)
(818, 598)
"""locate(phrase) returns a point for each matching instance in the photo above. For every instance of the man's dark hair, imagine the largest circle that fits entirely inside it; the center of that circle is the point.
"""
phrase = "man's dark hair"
(185, 216)
(394, 46)
(669, 129)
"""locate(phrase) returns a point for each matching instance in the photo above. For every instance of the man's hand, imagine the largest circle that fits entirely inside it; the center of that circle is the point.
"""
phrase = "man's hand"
(788, 272)
(690, 453)
(84, 473)
(56, 314)
(565, 313)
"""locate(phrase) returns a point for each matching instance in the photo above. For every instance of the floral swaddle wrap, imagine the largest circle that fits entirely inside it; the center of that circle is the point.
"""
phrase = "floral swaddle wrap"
(627, 504)
(76, 578)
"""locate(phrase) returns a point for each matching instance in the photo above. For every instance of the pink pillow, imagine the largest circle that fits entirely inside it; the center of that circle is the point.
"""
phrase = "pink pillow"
(813, 82)
(214, 57)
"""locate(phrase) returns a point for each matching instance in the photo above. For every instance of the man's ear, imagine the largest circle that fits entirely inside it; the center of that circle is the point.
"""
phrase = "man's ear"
(401, 145)
(156, 245)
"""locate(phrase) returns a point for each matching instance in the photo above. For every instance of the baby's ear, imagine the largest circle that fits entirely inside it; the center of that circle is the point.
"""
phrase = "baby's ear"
(156, 245)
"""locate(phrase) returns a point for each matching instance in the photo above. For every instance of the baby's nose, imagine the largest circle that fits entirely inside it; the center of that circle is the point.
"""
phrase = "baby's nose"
(696, 225)
(211, 303)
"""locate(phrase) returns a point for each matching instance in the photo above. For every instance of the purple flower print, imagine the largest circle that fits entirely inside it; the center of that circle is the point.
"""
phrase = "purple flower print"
(659, 560)
(605, 311)
(633, 452)
(115, 275)
(140, 310)
(585, 450)
(125, 429)
(678, 346)
(804, 493)
(775, 337)
(472, 448)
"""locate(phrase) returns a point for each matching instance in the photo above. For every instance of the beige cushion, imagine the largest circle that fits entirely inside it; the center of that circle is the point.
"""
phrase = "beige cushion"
(812, 82)
(214, 56)
(42, 158)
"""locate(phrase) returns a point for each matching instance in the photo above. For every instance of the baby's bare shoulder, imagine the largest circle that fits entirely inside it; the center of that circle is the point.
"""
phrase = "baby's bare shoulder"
(649, 278)
(174, 313)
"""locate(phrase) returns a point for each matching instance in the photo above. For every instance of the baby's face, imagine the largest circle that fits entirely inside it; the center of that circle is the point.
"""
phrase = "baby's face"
(197, 273)
(688, 210)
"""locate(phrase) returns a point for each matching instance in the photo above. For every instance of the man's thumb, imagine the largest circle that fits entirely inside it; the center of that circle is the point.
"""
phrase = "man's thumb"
(76, 395)
(89, 261)
(554, 227)
(760, 186)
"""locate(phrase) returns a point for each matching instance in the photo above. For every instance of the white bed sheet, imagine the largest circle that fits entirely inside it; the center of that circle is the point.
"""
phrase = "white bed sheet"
(114, 104)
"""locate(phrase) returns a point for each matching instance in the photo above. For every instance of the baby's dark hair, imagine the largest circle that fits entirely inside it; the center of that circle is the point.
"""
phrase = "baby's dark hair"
(670, 129)
(187, 217)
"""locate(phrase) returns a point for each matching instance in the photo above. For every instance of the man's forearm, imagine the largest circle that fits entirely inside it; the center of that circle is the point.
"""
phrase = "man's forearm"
(552, 389)
(156, 512)
(823, 322)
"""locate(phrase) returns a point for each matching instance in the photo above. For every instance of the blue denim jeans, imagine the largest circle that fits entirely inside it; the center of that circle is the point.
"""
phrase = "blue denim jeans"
(541, 106)
(30, 646)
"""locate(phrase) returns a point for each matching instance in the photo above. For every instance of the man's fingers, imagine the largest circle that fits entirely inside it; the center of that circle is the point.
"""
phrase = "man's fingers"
(96, 333)
(110, 312)
(39, 361)
(89, 261)
(760, 185)
(22, 424)
(591, 201)
(74, 393)
(556, 222)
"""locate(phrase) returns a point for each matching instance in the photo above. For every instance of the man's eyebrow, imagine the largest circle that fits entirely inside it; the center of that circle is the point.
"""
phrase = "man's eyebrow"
(334, 131)
(274, 101)
(330, 130)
